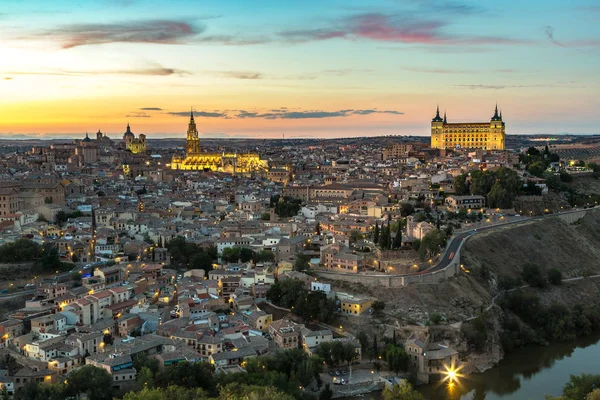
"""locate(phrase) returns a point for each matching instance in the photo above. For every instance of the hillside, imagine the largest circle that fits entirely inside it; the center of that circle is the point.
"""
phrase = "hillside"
(549, 243)
(585, 184)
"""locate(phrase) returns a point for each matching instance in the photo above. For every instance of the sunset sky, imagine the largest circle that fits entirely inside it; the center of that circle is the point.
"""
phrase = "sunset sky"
(253, 68)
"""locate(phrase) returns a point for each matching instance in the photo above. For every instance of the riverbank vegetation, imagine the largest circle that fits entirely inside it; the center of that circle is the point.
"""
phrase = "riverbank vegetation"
(527, 321)
(580, 387)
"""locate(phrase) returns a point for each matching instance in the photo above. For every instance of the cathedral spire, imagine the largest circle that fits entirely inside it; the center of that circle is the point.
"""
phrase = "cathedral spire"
(437, 115)
(445, 120)
(191, 113)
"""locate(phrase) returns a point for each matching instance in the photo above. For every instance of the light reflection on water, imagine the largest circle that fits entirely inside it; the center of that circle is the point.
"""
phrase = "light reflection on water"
(525, 374)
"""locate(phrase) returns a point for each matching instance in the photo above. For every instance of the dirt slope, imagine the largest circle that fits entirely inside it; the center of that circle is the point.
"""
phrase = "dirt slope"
(550, 243)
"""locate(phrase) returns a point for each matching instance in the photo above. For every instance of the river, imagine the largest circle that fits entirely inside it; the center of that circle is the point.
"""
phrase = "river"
(526, 374)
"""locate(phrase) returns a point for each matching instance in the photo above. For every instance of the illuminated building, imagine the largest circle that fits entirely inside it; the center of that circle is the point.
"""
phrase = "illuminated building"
(471, 135)
(133, 144)
(195, 160)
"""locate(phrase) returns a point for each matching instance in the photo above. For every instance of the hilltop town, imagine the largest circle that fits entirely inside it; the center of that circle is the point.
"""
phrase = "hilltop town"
(114, 251)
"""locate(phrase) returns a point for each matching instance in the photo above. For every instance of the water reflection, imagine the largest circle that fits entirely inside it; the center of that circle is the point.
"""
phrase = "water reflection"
(517, 368)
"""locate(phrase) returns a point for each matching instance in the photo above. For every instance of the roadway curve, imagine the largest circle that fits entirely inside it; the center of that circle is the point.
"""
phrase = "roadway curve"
(458, 240)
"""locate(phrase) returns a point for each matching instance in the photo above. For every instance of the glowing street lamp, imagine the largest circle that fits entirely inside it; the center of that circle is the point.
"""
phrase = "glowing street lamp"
(451, 375)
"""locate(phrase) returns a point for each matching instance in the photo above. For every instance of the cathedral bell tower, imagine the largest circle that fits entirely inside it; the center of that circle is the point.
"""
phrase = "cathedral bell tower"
(192, 144)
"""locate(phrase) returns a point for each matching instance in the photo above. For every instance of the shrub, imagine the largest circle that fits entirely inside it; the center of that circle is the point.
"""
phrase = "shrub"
(532, 274)
(555, 276)
(435, 318)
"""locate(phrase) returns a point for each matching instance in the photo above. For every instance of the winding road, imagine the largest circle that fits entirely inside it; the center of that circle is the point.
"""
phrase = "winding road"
(456, 242)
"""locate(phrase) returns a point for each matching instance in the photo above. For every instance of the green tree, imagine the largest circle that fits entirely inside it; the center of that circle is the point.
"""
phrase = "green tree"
(246, 254)
(264, 256)
(374, 348)
(481, 182)
(20, 250)
(355, 236)
(291, 293)
(188, 375)
(305, 372)
(536, 169)
(435, 318)
(231, 254)
(554, 276)
(431, 243)
(141, 361)
(398, 238)
(301, 262)
(579, 386)
(376, 233)
(363, 339)
(201, 260)
(145, 378)
(384, 237)
(565, 176)
(9, 363)
(406, 209)
(286, 207)
(49, 259)
(324, 350)
(460, 184)
(593, 395)
(403, 391)
(265, 216)
(326, 393)
(236, 391)
(169, 393)
(86, 381)
(532, 274)
(378, 307)
(396, 358)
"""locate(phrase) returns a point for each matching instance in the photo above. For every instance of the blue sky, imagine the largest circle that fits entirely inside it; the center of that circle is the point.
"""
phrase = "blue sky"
(331, 68)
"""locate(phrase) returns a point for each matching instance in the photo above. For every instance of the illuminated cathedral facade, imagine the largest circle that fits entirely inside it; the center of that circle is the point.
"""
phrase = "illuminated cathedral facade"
(133, 144)
(471, 135)
(195, 160)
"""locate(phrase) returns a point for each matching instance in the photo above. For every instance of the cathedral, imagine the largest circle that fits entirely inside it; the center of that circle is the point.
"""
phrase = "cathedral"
(195, 160)
(133, 144)
(469, 135)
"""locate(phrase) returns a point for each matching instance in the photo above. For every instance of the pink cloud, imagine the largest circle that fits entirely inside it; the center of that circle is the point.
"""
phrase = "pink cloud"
(393, 28)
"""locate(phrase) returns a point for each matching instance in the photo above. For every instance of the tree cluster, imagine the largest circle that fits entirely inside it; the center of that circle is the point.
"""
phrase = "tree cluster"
(500, 187)
(285, 207)
(403, 391)
(396, 358)
(245, 254)
(81, 382)
(191, 255)
(580, 387)
(62, 217)
(291, 293)
(301, 262)
(533, 323)
(45, 257)
(336, 353)
(431, 243)
(536, 161)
